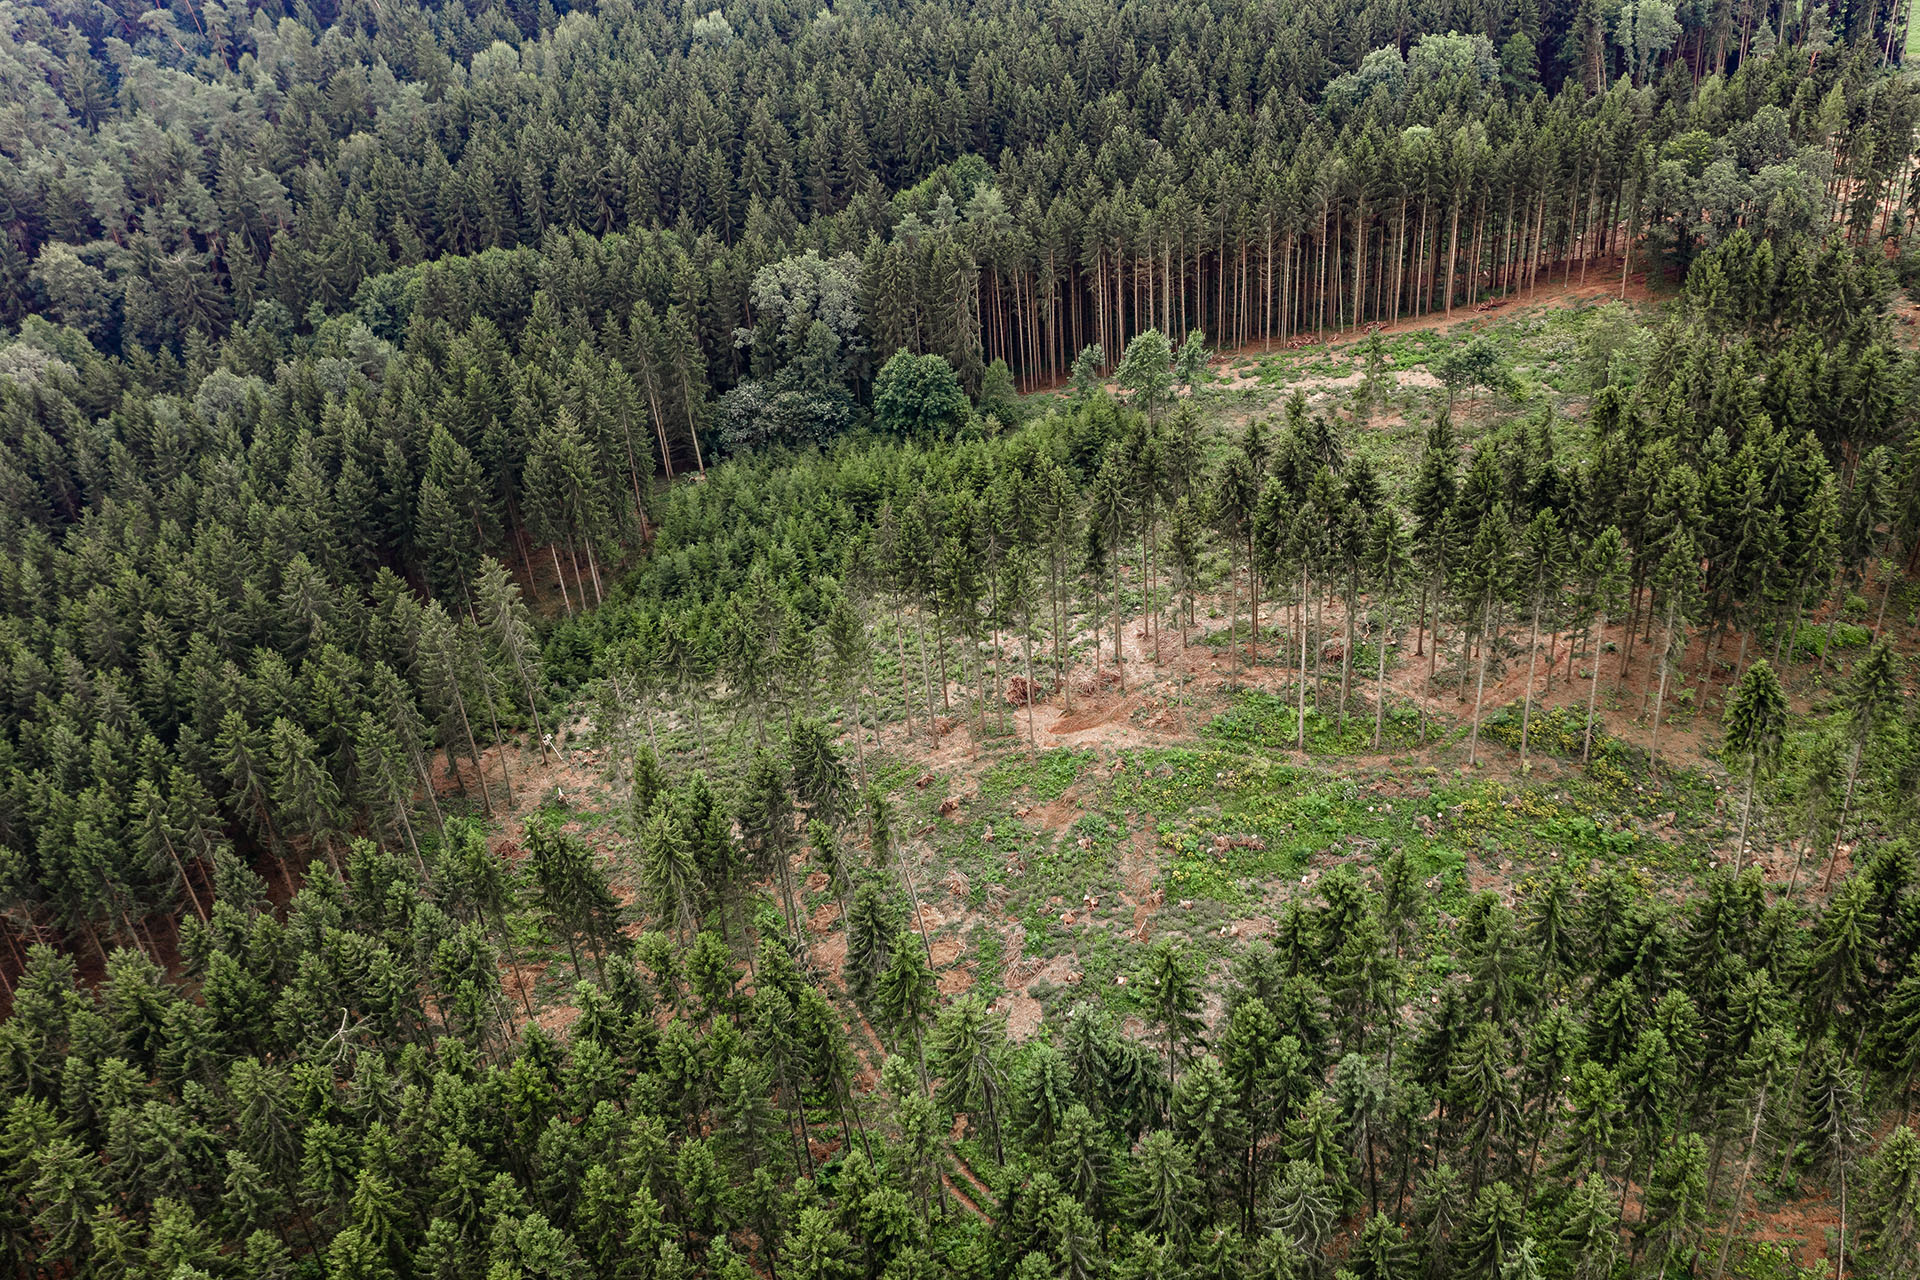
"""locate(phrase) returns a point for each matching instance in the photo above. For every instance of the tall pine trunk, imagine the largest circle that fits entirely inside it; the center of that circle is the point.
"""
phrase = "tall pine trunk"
(1480, 685)
(1533, 652)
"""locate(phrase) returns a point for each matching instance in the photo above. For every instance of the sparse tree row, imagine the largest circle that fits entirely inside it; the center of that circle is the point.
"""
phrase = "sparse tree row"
(1014, 184)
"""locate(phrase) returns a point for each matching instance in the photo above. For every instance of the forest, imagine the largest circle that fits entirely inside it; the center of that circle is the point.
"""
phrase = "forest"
(1009, 639)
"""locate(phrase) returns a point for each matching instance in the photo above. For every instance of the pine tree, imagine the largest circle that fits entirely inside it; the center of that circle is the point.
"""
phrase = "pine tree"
(820, 781)
(1389, 559)
(1606, 562)
(1821, 778)
(967, 1059)
(1676, 1203)
(1184, 530)
(872, 938)
(1891, 1232)
(573, 891)
(1755, 721)
(1872, 700)
(1146, 369)
(1085, 379)
(1235, 500)
(1303, 1208)
(1832, 1122)
(1677, 580)
(906, 996)
(767, 824)
(1016, 591)
(1542, 553)
(1490, 1232)
(306, 797)
(1486, 574)
(671, 872)
(1868, 504)
(446, 672)
(505, 618)
(1763, 1075)
(1811, 553)
(851, 659)
(1591, 1237)
(1109, 503)
(1172, 996)
(1164, 1188)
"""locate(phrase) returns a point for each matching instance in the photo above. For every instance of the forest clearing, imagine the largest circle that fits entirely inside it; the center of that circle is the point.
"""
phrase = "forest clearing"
(930, 640)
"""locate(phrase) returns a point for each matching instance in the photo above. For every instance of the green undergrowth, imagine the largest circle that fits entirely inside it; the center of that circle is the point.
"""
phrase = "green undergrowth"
(1235, 825)
(1810, 642)
(1045, 777)
(1559, 732)
(1265, 721)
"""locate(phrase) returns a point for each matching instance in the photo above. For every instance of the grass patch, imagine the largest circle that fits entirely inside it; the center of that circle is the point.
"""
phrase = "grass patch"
(1267, 722)
(1045, 777)
(1556, 731)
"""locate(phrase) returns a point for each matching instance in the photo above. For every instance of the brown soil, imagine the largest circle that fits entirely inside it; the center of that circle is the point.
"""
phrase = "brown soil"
(1056, 814)
(975, 1191)
(1104, 711)
(1801, 1226)
(1023, 1014)
(1602, 285)
(556, 1019)
(1136, 874)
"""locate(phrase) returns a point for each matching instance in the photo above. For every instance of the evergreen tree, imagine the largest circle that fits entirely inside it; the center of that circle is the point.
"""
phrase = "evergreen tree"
(1146, 370)
(1542, 552)
(1756, 721)
(1172, 997)
(1871, 701)
(1606, 572)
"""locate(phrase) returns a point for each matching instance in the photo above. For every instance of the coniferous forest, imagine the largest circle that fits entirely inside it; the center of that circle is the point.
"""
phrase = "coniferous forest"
(1000, 640)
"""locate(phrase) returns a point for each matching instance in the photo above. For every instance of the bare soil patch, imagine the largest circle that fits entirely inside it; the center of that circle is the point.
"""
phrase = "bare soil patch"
(1136, 874)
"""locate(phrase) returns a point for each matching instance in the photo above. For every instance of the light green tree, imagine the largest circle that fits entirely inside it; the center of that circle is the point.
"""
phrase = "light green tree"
(1146, 370)
(1755, 722)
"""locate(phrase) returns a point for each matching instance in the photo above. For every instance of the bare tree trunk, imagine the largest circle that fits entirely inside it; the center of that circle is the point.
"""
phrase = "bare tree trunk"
(1380, 677)
(561, 578)
(1453, 251)
(1533, 652)
(1346, 658)
(1666, 647)
(1746, 811)
(1026, 652)
(1480, 690)
(1840, 827)
(1302, 714)
(906, 695)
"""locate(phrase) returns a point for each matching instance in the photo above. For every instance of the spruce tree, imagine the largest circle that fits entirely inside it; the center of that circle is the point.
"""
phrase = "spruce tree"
(1389, 559)
(1606, 563)
(1755, 722)
(1542, 553)
(1871, 701)
(1109, 503)
(1486, 575)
